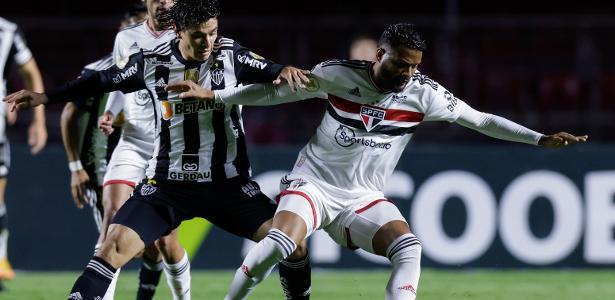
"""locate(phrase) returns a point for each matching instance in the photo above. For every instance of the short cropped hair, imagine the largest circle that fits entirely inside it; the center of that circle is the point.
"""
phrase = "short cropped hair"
(404, 35)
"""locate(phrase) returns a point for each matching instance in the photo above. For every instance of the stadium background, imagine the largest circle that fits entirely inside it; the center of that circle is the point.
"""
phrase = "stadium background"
(549, 66)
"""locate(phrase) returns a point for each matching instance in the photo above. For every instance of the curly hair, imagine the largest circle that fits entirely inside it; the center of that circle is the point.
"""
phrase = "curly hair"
(188, 13)
(402, 34)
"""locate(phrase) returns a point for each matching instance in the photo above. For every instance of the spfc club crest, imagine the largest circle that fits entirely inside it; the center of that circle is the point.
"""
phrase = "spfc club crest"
(371, 116)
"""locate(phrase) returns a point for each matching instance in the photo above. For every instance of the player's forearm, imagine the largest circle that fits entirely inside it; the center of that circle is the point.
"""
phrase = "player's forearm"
(261, 95)
(497, 127)
(68, 126)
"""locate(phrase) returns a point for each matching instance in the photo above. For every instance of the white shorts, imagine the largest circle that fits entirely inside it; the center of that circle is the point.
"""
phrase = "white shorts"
(351, 218)
(128, 162)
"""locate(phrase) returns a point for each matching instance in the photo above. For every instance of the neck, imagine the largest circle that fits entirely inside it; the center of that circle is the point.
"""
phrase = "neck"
(377, 79)
(150, 23)
(183, 50)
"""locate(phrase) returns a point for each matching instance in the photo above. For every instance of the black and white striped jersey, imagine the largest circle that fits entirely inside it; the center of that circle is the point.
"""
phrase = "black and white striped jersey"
(13, 51)
(198, 141)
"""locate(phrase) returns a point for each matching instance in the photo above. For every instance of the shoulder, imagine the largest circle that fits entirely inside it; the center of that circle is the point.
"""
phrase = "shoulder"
(421, 81)
(7, 25)
(345, 63)
(223, 43)
(163, 48)
(101, 64)
(131, 29)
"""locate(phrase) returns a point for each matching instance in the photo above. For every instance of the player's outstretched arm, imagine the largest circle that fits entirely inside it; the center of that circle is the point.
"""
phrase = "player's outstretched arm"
(561, 139)
(501, 128)
(25, 99)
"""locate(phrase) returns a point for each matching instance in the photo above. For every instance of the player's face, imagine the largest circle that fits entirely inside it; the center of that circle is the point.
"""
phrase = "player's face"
(197, 42)
(155, 6)
(396, 66)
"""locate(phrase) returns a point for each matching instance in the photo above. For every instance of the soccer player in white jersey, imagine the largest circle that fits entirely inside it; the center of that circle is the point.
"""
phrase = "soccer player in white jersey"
(337, 181)
(200, 166)
(129, 160)
(15, 53)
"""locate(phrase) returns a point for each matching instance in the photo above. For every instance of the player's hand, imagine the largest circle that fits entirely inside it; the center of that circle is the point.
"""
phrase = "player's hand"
(294, 77)
(78, 185)
(189, 89)
(561, 139)
(25, 99)
(105, 123)
(37, 137)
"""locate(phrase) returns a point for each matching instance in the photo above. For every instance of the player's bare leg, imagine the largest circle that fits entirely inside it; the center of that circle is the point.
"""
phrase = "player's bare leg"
(6, 271)
(114, 196)
(176, 265)
(395, 241)
(120, 246)
(285, 243)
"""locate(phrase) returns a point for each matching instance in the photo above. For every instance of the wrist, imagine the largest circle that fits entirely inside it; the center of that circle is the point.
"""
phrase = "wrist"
(75, 166)
(542, 139)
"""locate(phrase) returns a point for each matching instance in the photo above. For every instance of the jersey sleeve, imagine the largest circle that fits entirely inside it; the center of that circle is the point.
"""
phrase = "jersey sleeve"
(115, 102)
(127, 79)
(20, 52)
(122, 50)
(253, 68)
(438, 103)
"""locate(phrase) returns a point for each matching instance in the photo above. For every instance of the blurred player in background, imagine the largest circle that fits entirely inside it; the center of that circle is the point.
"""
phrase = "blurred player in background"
(338, 178)
(15, 52)
(130, 158)
(363, 47)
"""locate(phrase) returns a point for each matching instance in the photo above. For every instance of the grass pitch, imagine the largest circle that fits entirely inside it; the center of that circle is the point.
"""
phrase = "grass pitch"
(435, 284)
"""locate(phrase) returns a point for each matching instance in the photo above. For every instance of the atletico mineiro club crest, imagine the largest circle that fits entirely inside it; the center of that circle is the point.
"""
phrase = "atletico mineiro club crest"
(371, 116)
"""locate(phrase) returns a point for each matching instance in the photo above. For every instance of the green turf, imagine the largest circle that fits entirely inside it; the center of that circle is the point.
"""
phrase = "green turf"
(435, 284)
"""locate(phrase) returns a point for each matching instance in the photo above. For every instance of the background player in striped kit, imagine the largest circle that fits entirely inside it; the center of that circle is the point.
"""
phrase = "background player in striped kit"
(129, 160)
(338, 178)
(200, 166)
(15, 52)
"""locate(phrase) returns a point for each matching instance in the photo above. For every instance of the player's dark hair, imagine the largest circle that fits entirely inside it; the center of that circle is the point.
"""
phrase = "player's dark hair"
(402, 34)
(188, 13)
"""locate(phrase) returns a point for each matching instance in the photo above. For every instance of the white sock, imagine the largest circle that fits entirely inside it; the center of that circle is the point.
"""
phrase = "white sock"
(111, 289)
(259, 262)
(4, 238)
(178, 278)
(405, 255)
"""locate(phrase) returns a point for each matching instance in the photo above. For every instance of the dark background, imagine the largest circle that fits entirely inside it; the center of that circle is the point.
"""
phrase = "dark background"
(546, 64)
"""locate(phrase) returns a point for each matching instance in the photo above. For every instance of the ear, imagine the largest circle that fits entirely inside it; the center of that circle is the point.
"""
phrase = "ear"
(379, 54)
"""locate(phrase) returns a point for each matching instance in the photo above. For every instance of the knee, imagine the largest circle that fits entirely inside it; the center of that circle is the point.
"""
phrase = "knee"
(120, 246)
(405, 248)
(300, 252)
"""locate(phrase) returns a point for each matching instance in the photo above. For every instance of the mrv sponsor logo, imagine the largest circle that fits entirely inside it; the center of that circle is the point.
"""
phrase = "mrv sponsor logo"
(247, 60)
(132, 70)
(345, 137)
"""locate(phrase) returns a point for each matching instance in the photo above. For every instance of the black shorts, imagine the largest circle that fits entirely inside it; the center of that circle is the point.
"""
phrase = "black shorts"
(155, 209)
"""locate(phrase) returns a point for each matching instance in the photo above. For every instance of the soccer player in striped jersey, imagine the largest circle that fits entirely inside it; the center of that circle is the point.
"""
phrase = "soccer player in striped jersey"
(200, 166)
(15, 53)
(337, 181)
(87, 148)
(129, 159)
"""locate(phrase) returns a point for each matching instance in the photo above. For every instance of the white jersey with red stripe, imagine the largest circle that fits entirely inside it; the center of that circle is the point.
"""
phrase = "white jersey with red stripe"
(137, 107)
(365, 130)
